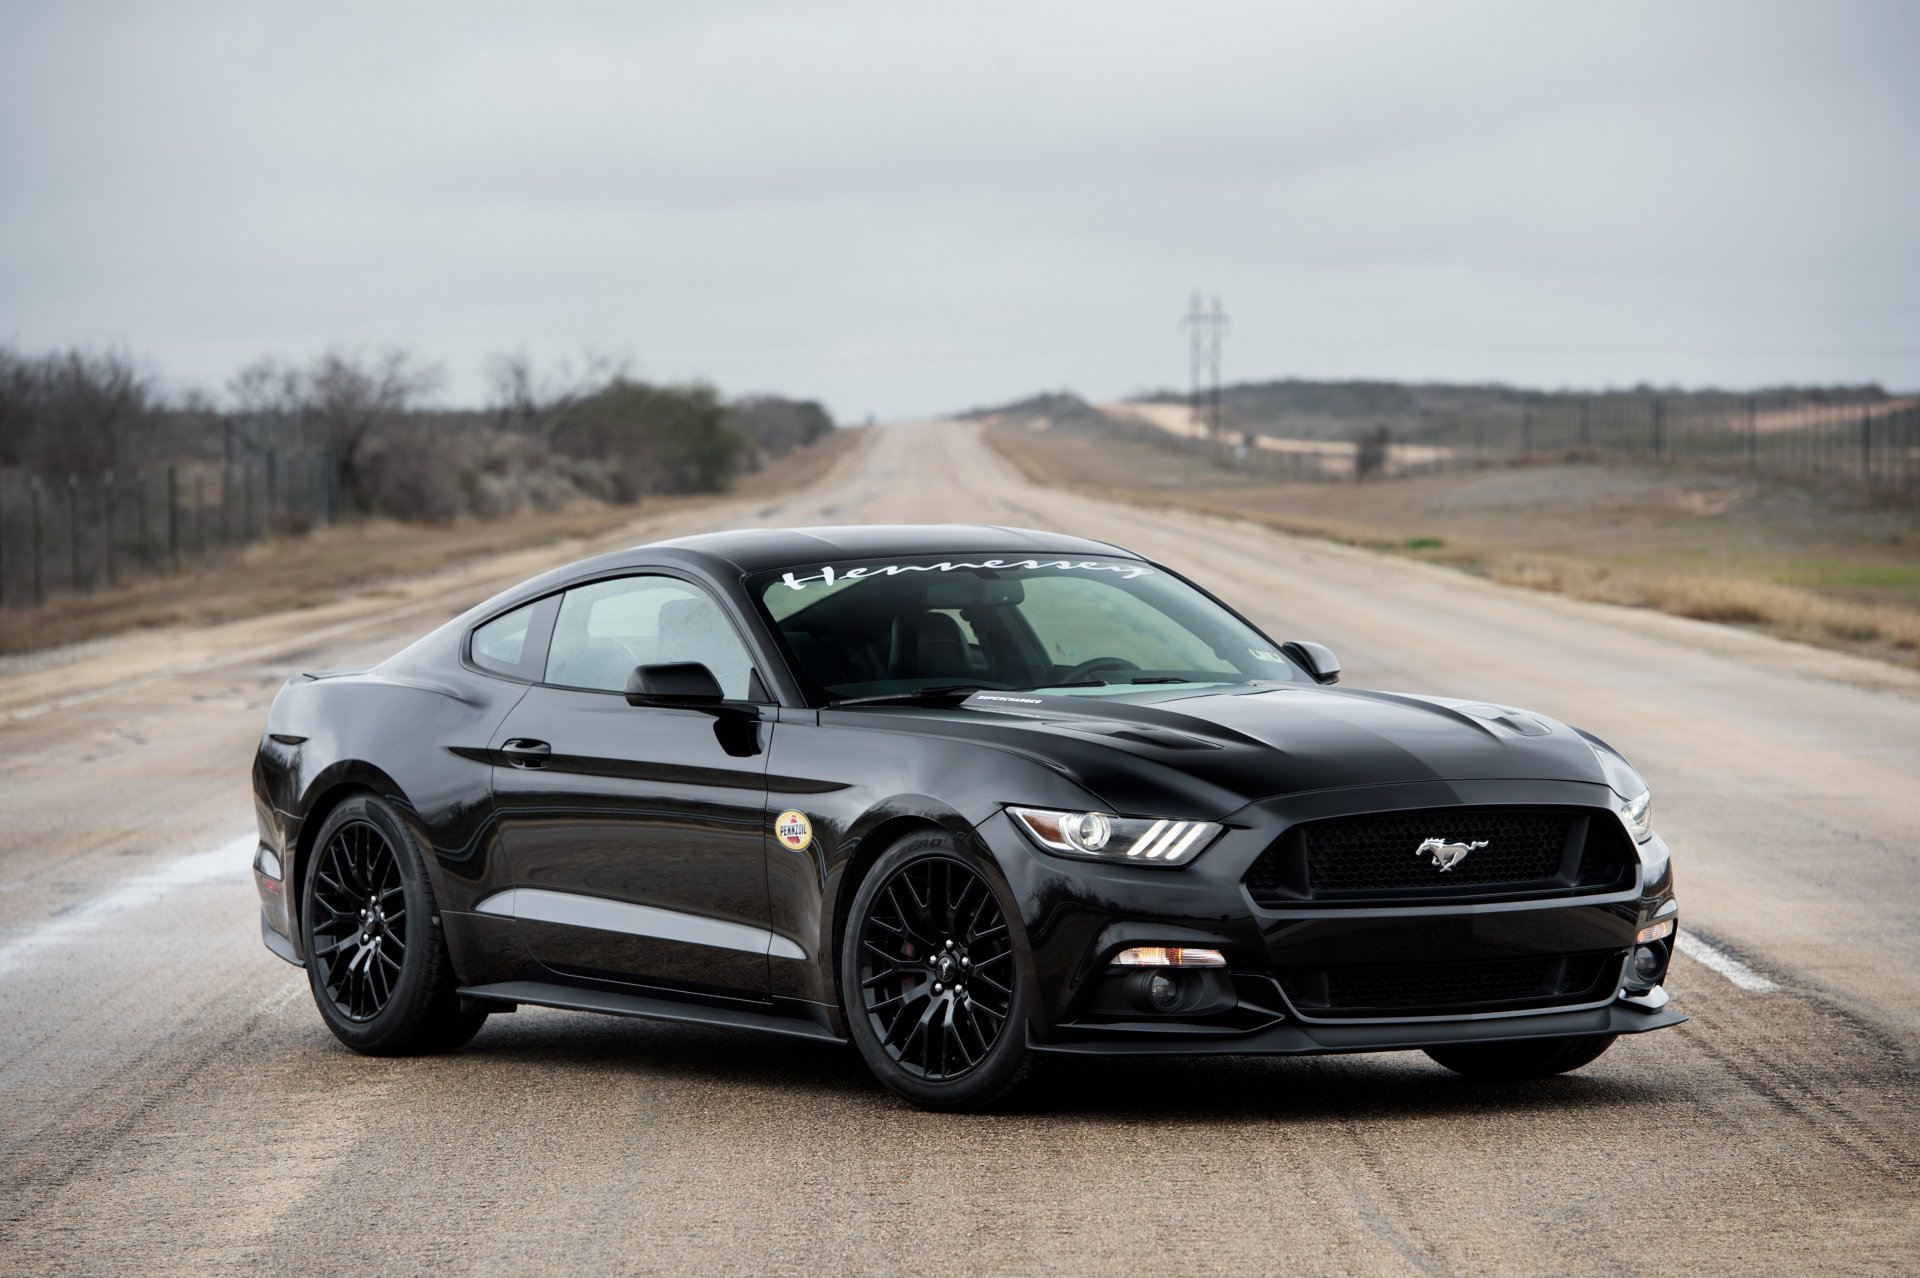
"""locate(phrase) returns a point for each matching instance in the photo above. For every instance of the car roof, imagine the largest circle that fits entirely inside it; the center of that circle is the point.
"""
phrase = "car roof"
(756, 549)
(750, 550)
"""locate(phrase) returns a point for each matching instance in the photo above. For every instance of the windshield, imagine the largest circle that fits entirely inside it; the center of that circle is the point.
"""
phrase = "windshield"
(881, 627)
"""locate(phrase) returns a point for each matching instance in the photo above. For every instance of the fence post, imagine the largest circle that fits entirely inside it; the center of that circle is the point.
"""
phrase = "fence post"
(246, 502)
(140, 518)
(39, 590)
(1586, 422)
(3, 550)
(1753, 431)
(107, 502)
(199, 513)
(73, 531)
(1526, 431)
(1659, 427)
(1866, 444)
(173, 518)
(273, 483)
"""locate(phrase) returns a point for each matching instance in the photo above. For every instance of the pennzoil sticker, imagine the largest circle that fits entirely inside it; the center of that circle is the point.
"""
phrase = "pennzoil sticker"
(793, 830)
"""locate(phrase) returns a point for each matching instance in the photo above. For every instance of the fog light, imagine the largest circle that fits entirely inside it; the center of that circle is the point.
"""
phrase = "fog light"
(1162, 992)
(1655, 932)
(1168, 956)
(1646, 964)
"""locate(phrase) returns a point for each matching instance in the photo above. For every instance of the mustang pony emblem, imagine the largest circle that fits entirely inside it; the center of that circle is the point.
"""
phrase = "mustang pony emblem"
(1447, 855)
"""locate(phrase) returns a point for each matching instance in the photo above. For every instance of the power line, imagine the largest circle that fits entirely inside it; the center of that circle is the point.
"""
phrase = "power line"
(1206, 330)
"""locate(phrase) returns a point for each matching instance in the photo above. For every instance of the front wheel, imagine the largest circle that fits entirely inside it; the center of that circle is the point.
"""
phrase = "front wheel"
(930, 977)
(1528, 1058)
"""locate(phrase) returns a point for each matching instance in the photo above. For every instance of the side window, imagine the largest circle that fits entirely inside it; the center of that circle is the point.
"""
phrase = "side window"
(609, 627)
(514, 644)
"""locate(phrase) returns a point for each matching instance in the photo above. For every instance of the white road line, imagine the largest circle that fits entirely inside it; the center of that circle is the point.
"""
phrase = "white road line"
(229, 862)
(1712, 956)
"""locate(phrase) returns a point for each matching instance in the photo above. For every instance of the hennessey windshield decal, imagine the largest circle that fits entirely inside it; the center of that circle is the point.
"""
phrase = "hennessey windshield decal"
(829, 574)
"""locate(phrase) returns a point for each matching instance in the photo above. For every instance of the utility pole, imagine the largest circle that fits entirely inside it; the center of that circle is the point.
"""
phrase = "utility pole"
(1206, 328)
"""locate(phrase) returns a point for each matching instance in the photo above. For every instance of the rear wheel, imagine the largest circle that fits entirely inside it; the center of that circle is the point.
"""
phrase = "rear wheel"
(930, 977)
(376, 958)
(1529, 1058)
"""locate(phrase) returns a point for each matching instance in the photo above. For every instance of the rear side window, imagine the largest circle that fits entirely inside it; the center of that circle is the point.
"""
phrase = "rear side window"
(515, 644)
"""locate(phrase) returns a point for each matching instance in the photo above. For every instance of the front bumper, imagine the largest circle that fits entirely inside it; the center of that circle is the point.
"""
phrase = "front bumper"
(1078, 914)
(1296, 1038)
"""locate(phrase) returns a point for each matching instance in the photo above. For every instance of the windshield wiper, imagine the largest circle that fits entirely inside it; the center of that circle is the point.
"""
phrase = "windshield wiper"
(1161, 679)
(939, 692)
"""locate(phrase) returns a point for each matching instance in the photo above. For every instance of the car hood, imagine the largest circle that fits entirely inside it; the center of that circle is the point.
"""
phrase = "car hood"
(1256, 743)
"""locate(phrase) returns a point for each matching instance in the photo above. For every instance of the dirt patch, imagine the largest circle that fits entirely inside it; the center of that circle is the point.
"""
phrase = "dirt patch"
(1803, 563)
(291, 573)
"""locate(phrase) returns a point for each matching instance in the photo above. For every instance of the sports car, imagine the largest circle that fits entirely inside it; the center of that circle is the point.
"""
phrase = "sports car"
(965, 797)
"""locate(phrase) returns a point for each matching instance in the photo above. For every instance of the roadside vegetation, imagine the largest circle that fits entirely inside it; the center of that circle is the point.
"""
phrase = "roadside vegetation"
(286, 571)
(1821, 565)
(124, 503)
(545, 438)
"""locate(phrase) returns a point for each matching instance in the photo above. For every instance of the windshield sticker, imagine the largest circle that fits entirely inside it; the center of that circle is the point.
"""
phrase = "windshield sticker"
(828, 575)
(1025, 701)
(1267, 654)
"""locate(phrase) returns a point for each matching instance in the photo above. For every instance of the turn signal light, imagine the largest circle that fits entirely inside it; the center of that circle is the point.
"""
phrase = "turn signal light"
(1655, 932)
(1168, 956)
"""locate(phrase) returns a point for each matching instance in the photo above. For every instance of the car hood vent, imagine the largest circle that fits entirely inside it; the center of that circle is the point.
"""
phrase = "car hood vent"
(1138, 733)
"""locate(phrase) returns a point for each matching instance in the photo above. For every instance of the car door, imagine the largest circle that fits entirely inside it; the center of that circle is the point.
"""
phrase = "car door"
(634, 836)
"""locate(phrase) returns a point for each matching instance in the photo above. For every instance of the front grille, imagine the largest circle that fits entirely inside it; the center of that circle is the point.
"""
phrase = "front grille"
(1529, 851)
(1431, 988)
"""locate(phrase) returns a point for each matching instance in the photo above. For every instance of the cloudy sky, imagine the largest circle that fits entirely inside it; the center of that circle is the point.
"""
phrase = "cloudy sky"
(907, 207)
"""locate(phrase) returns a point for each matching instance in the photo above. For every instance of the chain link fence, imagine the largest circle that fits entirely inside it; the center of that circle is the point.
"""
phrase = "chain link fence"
(1873, 447)
(84, 532)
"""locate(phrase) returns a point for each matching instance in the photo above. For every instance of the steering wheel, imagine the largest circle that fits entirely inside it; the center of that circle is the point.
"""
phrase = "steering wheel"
(1096, 665)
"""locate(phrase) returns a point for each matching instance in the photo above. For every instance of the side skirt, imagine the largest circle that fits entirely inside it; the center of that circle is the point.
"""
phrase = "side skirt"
(574, 999)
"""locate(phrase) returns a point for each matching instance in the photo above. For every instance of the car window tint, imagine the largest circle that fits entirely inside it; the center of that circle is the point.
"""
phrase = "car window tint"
(608, 628)
(1080, 618)
(501, 644)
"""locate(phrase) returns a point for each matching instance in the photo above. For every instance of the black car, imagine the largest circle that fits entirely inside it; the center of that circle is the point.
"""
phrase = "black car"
(960, 795)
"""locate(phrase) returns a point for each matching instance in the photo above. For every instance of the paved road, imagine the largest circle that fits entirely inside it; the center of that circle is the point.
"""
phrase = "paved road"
(169, 1101)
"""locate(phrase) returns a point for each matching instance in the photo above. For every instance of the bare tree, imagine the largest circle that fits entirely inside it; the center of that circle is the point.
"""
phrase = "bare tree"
(533, 403)
(349, 397)
(73, 410)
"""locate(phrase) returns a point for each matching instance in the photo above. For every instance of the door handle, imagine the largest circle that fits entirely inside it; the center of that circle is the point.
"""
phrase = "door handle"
(524, 753)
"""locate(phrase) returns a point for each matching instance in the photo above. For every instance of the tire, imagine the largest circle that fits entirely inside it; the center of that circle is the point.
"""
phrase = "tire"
(363, 862)
(964, 1047)
(1528, 1058)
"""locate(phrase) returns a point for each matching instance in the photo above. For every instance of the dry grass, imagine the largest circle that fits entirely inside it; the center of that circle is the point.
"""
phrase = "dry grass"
(1815, 567)
(288, 572)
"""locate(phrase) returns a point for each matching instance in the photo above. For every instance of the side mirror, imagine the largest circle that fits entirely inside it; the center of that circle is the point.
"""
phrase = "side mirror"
(685, 684)
(1316, 657)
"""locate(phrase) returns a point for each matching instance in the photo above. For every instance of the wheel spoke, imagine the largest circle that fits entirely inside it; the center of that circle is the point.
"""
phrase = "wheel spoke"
(991, 983)
(359, 871)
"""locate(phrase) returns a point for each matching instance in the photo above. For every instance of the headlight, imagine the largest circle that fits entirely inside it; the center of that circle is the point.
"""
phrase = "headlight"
(1105, 837)
(1638, 814)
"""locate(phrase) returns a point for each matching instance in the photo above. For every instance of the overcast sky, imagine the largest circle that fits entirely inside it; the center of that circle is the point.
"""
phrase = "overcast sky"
(905, 208)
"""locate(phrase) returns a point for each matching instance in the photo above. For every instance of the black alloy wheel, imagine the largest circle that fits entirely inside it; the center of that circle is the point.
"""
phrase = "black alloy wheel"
(359, 921)
(931, 978)
(377, 960)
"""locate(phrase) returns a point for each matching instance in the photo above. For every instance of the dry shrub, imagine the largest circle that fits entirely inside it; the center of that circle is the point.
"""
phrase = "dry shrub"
(1789, 611)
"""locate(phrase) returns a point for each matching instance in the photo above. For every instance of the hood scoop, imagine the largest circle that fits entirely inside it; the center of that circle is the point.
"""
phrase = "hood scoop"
(1515, 721)
(1138, 733)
